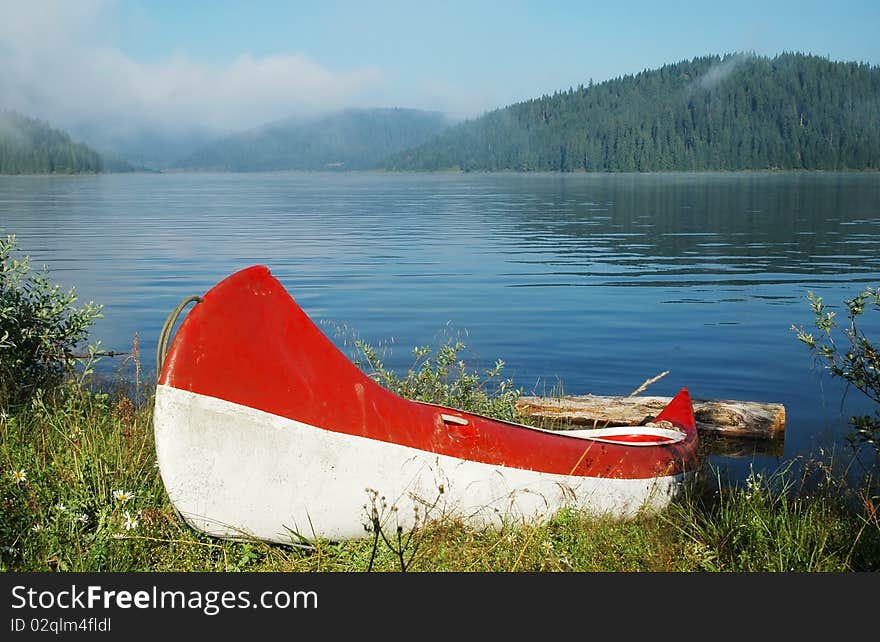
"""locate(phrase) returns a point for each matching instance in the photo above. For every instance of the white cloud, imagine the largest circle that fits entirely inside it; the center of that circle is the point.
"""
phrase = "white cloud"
(57, 63)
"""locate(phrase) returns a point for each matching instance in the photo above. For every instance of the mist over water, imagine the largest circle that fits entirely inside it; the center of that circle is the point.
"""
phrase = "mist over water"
(585, 283)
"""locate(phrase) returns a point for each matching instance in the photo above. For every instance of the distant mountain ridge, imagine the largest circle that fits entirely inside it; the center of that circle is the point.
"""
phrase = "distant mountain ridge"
(140, 146)
(32, 146)
(352, 139)
(733, 112)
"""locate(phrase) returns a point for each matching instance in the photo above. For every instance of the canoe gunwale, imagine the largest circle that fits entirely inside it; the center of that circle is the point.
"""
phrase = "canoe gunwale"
(667, 436)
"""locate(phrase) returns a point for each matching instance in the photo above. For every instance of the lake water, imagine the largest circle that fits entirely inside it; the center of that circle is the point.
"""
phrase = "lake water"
(589, 283)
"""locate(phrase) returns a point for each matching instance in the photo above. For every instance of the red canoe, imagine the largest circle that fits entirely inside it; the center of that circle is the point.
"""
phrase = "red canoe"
(265, 429)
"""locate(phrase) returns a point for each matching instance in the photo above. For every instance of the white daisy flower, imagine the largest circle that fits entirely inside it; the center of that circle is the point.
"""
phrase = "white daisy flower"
(129, 522)
(123, 495)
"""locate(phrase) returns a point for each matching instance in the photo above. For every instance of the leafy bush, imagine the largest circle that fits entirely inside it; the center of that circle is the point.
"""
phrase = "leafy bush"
(856, 359)
(446, 380)
(39, 327)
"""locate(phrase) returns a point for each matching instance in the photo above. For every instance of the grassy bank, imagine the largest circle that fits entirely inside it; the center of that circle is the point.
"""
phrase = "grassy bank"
(81, 491)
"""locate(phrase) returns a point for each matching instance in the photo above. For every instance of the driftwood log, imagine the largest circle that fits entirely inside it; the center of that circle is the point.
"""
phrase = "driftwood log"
(723, 418)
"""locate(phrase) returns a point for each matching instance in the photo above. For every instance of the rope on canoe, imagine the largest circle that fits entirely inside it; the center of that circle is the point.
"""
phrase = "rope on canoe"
(165, 334)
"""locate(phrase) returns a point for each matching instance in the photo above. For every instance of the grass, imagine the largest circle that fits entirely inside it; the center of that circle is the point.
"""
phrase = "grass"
(81, 491)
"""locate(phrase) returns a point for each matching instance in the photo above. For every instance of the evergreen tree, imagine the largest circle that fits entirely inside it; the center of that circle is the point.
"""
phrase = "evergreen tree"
(732, 112)
(30, 146)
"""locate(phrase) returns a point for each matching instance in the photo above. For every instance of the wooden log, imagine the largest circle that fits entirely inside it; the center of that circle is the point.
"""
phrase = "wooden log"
(752, 419)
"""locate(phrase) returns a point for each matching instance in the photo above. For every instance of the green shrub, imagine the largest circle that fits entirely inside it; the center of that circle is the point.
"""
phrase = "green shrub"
(39, 328)
(446, 380)
(848, 353)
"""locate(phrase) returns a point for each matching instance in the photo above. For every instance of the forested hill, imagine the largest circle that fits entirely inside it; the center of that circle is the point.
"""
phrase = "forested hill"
(735, 112)
(30, 146)
(347, 140)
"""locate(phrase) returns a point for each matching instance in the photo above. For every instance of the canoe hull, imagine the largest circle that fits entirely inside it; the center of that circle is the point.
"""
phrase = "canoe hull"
(264, 429)
(235, 472)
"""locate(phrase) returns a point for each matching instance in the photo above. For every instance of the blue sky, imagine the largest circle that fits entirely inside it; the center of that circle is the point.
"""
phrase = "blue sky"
(232, 64)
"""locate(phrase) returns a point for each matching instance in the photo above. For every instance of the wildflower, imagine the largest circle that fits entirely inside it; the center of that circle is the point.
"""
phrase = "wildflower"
(37, 528)
(82, 517)
(60, 507)
(129, 522)
(548, 546)
(123, 495)
(19, 476)
(753, 484)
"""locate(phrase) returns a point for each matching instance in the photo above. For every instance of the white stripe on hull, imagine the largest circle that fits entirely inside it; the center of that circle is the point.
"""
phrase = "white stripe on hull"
(237, 472)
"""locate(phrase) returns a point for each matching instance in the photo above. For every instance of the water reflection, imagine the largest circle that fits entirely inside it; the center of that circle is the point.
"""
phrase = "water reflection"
(742, 229)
